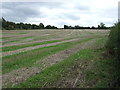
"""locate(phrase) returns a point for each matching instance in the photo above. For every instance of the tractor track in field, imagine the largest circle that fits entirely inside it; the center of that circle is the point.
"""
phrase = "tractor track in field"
(20, 75)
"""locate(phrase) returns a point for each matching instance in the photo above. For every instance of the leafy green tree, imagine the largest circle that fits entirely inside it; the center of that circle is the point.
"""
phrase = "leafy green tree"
(93, 27)
(101, 26)
(50, 27)
(77, 27)
(41, 26)
(66, 27)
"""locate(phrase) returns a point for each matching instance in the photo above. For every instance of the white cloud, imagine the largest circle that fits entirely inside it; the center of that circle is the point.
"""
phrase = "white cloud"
(75, 12)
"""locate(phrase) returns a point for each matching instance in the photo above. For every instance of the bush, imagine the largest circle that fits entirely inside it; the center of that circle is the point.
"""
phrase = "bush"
(113, 44)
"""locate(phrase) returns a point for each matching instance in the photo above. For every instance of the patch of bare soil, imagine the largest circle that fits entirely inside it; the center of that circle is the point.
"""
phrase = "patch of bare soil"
(20, 75)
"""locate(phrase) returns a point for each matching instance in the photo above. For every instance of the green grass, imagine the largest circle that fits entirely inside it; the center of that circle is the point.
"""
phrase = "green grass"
(4, 38)
(113, 44)
(9, 41)
(54, 72)
(102, 41)
(100, 73)
(18, 39)
(27, 59)
(10, 48)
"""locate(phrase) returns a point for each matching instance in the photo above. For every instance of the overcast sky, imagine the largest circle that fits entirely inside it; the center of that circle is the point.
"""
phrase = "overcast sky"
(70, 12)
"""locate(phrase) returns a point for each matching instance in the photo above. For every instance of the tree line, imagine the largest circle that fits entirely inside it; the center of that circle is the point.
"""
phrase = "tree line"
(7, 25)
(101, 26)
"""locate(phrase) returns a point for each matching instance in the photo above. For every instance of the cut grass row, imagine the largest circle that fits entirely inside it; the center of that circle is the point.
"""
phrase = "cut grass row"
(99, 72)
(10, 48)
(54, 72)
(14, 47)
(19, 39)
(51, 74)
(26, 59)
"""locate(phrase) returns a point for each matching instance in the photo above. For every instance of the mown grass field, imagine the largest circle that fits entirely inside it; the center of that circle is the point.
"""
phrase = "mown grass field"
(56, 58)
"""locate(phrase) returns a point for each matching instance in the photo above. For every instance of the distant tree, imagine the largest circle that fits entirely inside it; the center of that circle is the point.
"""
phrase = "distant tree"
(34, 26)
(101, 26)
(53, 27)
(0, 24)
(70, 27)
(77, 27)
(21, 25)
(65, 26)
(98, 26)
(41, 26)
(93, 27)
(7, 25)
(50, 27)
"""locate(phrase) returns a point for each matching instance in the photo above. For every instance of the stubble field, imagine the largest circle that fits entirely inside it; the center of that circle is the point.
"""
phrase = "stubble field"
(54, 58)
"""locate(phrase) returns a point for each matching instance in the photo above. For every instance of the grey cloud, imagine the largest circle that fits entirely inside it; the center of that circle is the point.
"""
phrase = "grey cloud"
(64, 16)
(20, 11)
(71, 16)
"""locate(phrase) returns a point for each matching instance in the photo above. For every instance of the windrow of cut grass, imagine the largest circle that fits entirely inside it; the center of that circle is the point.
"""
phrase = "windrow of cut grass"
(36, 39)
(34, 43)
(26, 59)
(58, 71)
(10, 78)
(54, 72)
(34, 47)
(10, 48)
(27, 48)
(14, 40)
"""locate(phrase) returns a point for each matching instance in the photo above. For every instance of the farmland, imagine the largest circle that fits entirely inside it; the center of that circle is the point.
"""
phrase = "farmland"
(55, 58)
